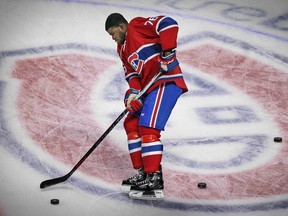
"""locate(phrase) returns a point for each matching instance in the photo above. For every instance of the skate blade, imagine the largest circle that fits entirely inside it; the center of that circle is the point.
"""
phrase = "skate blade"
(125, 188)
(147, 195)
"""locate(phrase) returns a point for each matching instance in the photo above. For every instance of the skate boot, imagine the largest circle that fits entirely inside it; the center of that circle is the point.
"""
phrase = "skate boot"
(140, 176)
(150, 189)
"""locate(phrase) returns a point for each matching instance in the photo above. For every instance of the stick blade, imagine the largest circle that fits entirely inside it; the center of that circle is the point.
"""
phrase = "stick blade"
(50, 182)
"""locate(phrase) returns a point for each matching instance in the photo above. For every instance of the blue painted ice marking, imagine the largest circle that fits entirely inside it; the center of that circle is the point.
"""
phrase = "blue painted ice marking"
(117, 87)
(278, 23)
(226, 115)
(252, 147)
(243, 13)
(60, 47)
(203, 86)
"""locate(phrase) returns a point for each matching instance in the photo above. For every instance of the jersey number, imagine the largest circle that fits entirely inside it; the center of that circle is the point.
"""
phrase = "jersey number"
(150, 21)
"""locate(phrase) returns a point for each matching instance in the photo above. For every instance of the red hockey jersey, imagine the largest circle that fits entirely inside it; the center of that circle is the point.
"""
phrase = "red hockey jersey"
(145, 39)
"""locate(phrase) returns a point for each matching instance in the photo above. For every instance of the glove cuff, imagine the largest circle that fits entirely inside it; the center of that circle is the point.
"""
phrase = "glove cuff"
(134, 91)
(171, 55)
(168, 63)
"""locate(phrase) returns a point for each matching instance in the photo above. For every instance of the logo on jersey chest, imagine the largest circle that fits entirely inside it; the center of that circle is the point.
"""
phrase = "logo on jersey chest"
(136, 62)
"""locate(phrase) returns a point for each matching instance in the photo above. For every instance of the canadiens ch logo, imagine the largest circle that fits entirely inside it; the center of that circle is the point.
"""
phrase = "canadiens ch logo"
(135, 62)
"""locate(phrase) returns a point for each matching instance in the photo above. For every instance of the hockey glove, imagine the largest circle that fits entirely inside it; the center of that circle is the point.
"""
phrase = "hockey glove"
(132, 104)
(168, 63)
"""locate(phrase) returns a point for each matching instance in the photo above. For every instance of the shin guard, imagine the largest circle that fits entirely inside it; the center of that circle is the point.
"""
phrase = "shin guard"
(134, 146)
(152, 149)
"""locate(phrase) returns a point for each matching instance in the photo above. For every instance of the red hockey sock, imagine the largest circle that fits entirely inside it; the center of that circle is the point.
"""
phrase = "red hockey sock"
(152, 149)
(134, 146)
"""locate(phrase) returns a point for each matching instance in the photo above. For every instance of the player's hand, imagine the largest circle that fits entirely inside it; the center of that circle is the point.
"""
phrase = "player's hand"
(131, 103)
(168, 61)
(134, 105)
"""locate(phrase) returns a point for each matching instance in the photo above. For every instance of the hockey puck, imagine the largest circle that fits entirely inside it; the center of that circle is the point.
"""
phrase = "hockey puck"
(277, 139)
(54, 201)
(201, 185)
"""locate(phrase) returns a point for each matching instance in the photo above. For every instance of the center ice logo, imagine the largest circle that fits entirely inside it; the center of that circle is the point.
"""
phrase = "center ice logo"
(66, 101)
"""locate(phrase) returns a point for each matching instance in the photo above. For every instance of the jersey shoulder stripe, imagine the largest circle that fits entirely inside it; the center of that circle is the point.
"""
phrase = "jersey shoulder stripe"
(148, 51)
(166, 23)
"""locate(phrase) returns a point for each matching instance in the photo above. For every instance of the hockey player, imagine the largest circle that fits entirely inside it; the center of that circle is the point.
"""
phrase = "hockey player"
(146, 46)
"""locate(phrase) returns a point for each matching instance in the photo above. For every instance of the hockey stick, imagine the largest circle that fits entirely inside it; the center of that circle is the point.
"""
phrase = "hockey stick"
(54, 181)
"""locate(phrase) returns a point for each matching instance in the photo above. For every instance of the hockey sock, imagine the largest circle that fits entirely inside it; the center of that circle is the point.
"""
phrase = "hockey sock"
(134, 146)
(152, 149)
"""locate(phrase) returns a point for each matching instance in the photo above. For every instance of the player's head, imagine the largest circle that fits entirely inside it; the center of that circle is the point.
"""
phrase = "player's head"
(116, 26)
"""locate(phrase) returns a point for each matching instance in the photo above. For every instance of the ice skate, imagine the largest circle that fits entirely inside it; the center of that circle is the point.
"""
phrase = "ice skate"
(140, 176)
(150, 189)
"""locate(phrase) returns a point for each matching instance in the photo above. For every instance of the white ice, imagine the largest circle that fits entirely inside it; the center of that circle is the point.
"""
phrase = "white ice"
(257, 30)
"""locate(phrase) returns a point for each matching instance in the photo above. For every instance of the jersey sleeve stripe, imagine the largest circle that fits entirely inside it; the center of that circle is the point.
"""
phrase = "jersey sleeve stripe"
(172, 76)
(129, 76)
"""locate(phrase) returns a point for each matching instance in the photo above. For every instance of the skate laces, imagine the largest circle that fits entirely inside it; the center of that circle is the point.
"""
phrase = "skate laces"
(145, 181)
(140, 172)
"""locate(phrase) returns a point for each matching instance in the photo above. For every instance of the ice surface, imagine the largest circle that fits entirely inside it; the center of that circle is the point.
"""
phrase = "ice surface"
(62, 85)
